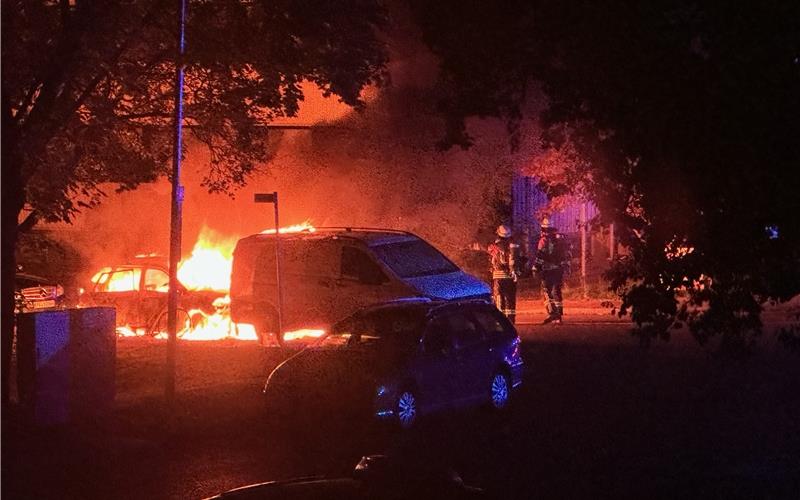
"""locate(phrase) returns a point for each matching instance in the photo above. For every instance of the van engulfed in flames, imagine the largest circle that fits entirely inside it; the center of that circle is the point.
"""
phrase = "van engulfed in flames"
(208, 268)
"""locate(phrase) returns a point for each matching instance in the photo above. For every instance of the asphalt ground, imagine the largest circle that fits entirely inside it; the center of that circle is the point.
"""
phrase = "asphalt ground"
(598, 416)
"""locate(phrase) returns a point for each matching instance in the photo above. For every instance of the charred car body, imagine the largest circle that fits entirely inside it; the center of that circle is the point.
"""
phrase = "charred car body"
(138, 292)
(330, 273)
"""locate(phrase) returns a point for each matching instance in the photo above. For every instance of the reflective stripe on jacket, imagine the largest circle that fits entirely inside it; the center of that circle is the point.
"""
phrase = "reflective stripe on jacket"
(551, 253)
(503, 253)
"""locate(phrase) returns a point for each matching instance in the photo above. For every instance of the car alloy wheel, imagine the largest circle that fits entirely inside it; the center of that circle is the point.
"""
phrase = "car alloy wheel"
(500, 391)
(406, 409)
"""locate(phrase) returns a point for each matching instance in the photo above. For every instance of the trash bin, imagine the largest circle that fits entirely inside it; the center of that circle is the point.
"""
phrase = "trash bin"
(66, 364)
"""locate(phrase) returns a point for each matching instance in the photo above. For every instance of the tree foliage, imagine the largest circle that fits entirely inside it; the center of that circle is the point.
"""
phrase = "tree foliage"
(87, 93)
(685, 118)
(88, 86)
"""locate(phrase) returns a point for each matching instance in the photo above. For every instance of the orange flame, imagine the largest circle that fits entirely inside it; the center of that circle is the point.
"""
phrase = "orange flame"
(209, 268)
(303, 334)
(297, 228)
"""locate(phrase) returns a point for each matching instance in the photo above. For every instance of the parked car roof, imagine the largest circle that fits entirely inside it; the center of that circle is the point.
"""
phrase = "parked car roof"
(421, 303)
(24, 280)
(370, 236)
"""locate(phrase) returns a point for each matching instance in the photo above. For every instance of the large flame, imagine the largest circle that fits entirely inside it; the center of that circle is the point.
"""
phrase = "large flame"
(209, 268)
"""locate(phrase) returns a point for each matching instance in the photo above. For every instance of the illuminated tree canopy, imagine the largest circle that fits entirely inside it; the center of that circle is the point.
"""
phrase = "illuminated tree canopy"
(87, 92)
(684, 117)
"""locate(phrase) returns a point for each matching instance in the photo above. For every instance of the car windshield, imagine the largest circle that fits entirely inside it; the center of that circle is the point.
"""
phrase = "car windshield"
(388, 326)
(411, 259)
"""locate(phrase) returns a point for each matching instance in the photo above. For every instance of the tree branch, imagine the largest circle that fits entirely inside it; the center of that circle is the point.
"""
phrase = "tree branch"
(151, 114)
(30, 220)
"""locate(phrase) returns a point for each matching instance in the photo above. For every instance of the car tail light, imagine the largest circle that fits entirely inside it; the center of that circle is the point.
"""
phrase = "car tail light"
(517, 348)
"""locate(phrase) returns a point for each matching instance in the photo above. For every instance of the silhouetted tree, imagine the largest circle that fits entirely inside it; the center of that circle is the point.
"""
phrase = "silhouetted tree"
(685, 118)
(87, 94)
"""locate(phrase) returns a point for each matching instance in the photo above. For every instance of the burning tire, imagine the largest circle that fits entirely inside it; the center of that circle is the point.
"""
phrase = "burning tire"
(183, 322)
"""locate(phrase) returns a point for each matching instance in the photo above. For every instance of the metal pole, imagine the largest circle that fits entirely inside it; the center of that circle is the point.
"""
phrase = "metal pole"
(175, 211)
(583, 247)
(612, 243)
(278, 269)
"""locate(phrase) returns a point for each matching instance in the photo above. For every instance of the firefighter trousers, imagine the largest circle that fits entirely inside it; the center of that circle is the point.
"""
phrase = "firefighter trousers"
(551, 286)
(504, 291)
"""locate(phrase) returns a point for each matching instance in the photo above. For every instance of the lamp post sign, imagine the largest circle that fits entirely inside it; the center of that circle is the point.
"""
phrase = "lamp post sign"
(273, 198)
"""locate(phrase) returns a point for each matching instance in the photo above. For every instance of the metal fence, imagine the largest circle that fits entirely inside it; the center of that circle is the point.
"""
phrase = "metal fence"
(590, 253)
(529, 200)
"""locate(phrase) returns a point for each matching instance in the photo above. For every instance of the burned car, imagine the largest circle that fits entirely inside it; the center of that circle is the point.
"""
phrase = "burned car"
(138, 292)
(34, 293)
(329, 273)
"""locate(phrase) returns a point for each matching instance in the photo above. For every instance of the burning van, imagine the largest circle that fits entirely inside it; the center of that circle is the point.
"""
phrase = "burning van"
(329, 273)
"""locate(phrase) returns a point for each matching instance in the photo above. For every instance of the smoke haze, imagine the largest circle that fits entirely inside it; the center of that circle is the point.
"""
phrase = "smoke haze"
(376, 168)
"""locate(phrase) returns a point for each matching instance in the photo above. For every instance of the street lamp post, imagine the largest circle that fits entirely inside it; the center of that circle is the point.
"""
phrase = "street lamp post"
(273, 198)
(175, 210)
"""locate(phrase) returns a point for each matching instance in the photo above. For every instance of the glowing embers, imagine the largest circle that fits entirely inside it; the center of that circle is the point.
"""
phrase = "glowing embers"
(678, 249)
(199, 325)
(297, 228)
(126, 331)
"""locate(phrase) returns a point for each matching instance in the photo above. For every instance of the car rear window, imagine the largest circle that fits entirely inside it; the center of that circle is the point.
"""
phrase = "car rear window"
(411, 259)
(378, 326)
(493, 323)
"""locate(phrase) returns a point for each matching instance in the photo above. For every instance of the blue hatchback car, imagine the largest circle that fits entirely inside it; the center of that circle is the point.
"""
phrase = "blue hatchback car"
(403, 360)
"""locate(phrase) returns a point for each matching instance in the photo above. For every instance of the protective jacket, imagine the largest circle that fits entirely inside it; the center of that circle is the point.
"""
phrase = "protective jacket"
(505, 255)
(551, 253)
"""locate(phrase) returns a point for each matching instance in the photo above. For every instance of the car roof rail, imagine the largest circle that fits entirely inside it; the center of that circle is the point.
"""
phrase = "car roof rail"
(349, 229)
(402, 300)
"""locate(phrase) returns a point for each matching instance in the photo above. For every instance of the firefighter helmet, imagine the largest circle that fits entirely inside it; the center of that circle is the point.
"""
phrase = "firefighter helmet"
(503, 231)
(546, 226)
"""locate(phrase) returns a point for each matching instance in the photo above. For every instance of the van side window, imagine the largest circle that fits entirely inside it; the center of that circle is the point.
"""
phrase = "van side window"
(358, 266)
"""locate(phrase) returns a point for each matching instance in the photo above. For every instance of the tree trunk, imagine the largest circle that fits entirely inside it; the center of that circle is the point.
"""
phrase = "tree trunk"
(9, 269)
(13, 198)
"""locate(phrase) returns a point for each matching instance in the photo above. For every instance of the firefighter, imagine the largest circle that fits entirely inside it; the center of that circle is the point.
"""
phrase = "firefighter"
(504, 261)
(551, 263)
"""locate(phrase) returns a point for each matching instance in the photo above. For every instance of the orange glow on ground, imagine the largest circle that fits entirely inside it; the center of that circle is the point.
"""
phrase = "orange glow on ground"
(297, 228)
(304, 333)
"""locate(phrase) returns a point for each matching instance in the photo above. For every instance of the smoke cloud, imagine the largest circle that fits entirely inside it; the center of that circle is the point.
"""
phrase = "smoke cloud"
(375, 168)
